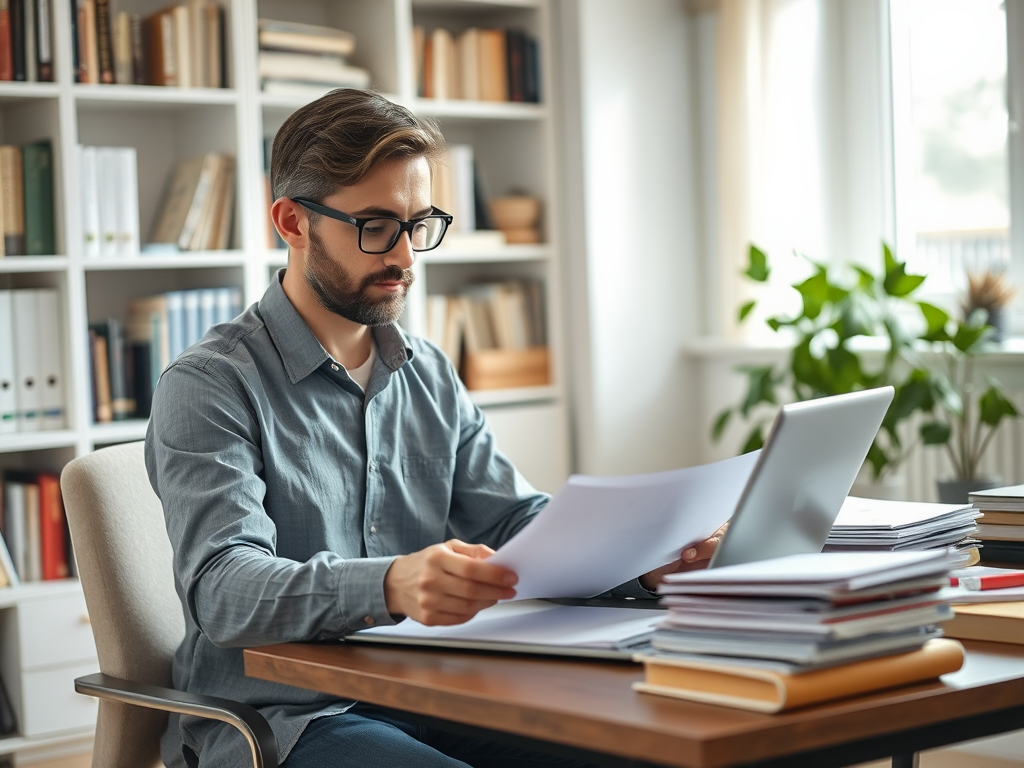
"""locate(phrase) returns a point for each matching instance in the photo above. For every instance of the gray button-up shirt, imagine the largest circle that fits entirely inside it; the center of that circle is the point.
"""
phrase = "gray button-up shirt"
(287, 493)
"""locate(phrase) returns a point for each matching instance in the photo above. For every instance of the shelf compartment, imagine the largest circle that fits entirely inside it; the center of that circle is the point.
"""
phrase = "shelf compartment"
(190, 260)
(150, 96)
(12, 264)
(37, 441)
(13, 93)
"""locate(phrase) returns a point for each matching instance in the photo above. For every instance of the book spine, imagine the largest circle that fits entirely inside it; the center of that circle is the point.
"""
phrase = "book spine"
(12, 192)
(6, 60)
(89, 42)
(39, 223)
(31, 59)
(104, 48)
(101, 373)
(120, 401)
(17, 22)
(44, 45)
(76, 43)
(51, 528)
(137, 51)
(123, 69)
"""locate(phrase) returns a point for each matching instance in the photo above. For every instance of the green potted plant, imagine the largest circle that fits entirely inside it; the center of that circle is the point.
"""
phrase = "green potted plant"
(840, 307)
(963, 413)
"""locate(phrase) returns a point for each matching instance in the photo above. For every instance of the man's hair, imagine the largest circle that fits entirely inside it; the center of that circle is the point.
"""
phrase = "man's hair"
(338, 139)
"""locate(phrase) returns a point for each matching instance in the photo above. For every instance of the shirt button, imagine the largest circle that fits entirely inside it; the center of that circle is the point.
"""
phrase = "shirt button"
(369, 620)
(373, 529)
(334, 366)
(373, 465)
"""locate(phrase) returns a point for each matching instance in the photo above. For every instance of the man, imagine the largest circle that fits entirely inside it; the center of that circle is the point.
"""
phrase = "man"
(320, 471)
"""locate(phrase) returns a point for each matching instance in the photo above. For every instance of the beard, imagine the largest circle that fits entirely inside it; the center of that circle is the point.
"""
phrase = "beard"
(338, 292)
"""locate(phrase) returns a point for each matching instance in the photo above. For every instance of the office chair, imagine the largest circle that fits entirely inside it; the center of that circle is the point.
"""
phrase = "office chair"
(124, 563)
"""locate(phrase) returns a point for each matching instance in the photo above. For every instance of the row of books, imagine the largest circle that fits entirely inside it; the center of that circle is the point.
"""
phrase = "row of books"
(127, 358)
(35, 544)
(26, 199)
(197, 208)
(32, 389)
(476, 64)
(506, 315)
(305, 60)
(180, 45)
(109, 199)
(791, 631)
(26, 41)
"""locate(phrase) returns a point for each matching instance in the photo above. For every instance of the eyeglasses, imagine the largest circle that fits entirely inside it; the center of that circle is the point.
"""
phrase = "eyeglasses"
(379, 234)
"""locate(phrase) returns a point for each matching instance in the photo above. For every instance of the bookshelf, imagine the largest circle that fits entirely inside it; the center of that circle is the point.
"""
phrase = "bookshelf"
(514, 146)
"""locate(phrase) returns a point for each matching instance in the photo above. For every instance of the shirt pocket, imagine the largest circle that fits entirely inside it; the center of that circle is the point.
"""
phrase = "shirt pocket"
(427, 485)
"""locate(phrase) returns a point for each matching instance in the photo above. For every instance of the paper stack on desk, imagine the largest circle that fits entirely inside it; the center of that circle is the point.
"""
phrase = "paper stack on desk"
(1001, 529)
(877, 525)
(797, 630)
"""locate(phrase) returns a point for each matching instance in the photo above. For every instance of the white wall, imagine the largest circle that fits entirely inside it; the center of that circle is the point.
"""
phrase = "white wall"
(633, 273)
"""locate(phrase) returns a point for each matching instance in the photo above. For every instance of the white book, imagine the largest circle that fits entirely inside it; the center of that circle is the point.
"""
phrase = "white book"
(207, 310)
(7, 564)
(51, 358)
(182, 50)
(14, 522)
(108, 176)
(190, 312)
(26, 361)
(33, 540)
(89, 199)
(200, 199)
(176, 323)
(128, 201)
(8, 383)
(464, 213)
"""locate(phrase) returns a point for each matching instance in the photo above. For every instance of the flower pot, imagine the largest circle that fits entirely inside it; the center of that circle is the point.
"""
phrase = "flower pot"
(956, 491)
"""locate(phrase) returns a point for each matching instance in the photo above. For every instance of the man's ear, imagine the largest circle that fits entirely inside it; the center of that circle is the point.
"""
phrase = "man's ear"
(291, 222)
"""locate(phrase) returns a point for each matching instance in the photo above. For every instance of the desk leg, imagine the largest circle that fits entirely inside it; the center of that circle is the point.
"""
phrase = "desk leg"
(906, 760)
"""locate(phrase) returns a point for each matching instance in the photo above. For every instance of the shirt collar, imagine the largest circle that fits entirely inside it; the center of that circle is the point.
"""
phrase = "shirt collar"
(300, 350)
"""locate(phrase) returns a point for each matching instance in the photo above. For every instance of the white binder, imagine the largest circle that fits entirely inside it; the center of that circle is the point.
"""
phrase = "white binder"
(87, 161)
(8, 383)
(51, 358)
(26, 361)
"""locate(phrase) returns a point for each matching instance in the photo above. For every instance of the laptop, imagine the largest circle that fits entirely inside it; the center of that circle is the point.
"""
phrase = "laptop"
(790, 500)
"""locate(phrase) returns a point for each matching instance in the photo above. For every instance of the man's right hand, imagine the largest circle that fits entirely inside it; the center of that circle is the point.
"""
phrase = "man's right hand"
(446, 583)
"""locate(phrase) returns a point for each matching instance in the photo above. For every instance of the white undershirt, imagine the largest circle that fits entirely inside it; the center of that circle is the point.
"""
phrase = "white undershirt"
(361, 375)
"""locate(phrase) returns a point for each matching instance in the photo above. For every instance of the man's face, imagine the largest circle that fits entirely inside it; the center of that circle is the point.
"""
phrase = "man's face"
(369, 289)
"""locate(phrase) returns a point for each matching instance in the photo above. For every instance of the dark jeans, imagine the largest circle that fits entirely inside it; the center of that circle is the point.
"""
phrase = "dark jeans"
(368, 736)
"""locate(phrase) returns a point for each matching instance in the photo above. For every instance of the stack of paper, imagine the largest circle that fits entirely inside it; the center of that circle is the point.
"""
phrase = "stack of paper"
(1001, 529)
(878, 525)
(795, 630)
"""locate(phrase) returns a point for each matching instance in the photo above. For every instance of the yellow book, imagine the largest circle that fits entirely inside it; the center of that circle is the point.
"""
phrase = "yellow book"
(999, 622)
(766, 690)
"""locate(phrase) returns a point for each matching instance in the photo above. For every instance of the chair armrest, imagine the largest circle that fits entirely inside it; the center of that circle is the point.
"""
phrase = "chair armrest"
(252, 724)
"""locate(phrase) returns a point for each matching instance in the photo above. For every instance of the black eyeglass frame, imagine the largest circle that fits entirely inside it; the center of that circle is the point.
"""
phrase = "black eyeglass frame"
(403, 226)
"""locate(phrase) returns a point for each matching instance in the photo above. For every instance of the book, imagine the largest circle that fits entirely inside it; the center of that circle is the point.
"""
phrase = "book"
(310, 68)
(8, 373)
(14, 522)
(109, 178)
(777, 689)
(493, 65)
(17, 11)
(31, 62)
(126, 202)
(50, 359)
(27, 343)
(1001, 622)
(12, 192)
(6, 60)
(1008, 498)
(8, 574)
(161, 48)
(88, 172)
(39, 221)
(104, 410)
(44, 42)
(997, 532)
(179, 199)
(89, 36)
(313, 38)
(444, 83)
(8, 719)
(104, 44)
(467, 49)
(52, 528)
(879, 524)
(124, 70)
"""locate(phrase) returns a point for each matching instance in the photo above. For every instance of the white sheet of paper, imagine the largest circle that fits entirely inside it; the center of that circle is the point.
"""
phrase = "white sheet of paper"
(599, 532)
(534, 622)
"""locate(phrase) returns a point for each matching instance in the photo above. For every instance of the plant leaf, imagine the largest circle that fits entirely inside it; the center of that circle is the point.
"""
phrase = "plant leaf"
(745, 309)
(814, 291)
(935, 433)
(721, 422)
(936, 320)
(758, 268)
(761, 383)
(755, 439)
(993, 406)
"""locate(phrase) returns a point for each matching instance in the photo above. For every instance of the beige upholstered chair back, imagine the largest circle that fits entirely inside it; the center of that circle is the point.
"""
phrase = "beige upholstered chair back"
(124, 562)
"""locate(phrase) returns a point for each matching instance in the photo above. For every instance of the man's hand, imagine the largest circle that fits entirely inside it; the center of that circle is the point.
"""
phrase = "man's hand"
(446, 584)
(690, 559)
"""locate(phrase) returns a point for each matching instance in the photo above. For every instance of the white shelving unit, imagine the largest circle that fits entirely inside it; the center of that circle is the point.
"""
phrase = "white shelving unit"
(514, 145)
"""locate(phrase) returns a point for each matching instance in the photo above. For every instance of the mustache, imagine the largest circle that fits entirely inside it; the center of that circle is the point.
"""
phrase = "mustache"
(389, 274)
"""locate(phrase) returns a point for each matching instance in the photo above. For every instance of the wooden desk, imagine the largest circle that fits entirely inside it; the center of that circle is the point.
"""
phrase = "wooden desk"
(555, 704)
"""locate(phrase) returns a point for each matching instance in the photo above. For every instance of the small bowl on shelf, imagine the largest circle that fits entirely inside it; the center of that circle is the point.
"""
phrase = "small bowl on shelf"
(515, 212)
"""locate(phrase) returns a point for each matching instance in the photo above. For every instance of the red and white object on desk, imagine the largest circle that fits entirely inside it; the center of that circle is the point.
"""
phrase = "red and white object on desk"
(985, 584)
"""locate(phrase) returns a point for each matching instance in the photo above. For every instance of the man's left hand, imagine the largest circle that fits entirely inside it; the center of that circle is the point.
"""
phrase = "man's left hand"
(690, 559)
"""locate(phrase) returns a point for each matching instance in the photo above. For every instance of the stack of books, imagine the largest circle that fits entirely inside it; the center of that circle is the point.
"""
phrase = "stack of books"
(877, 525)
(33, 393)
(1001, 527)
(26, 199)
(196, 212)
(792, 631)
(305, 61)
